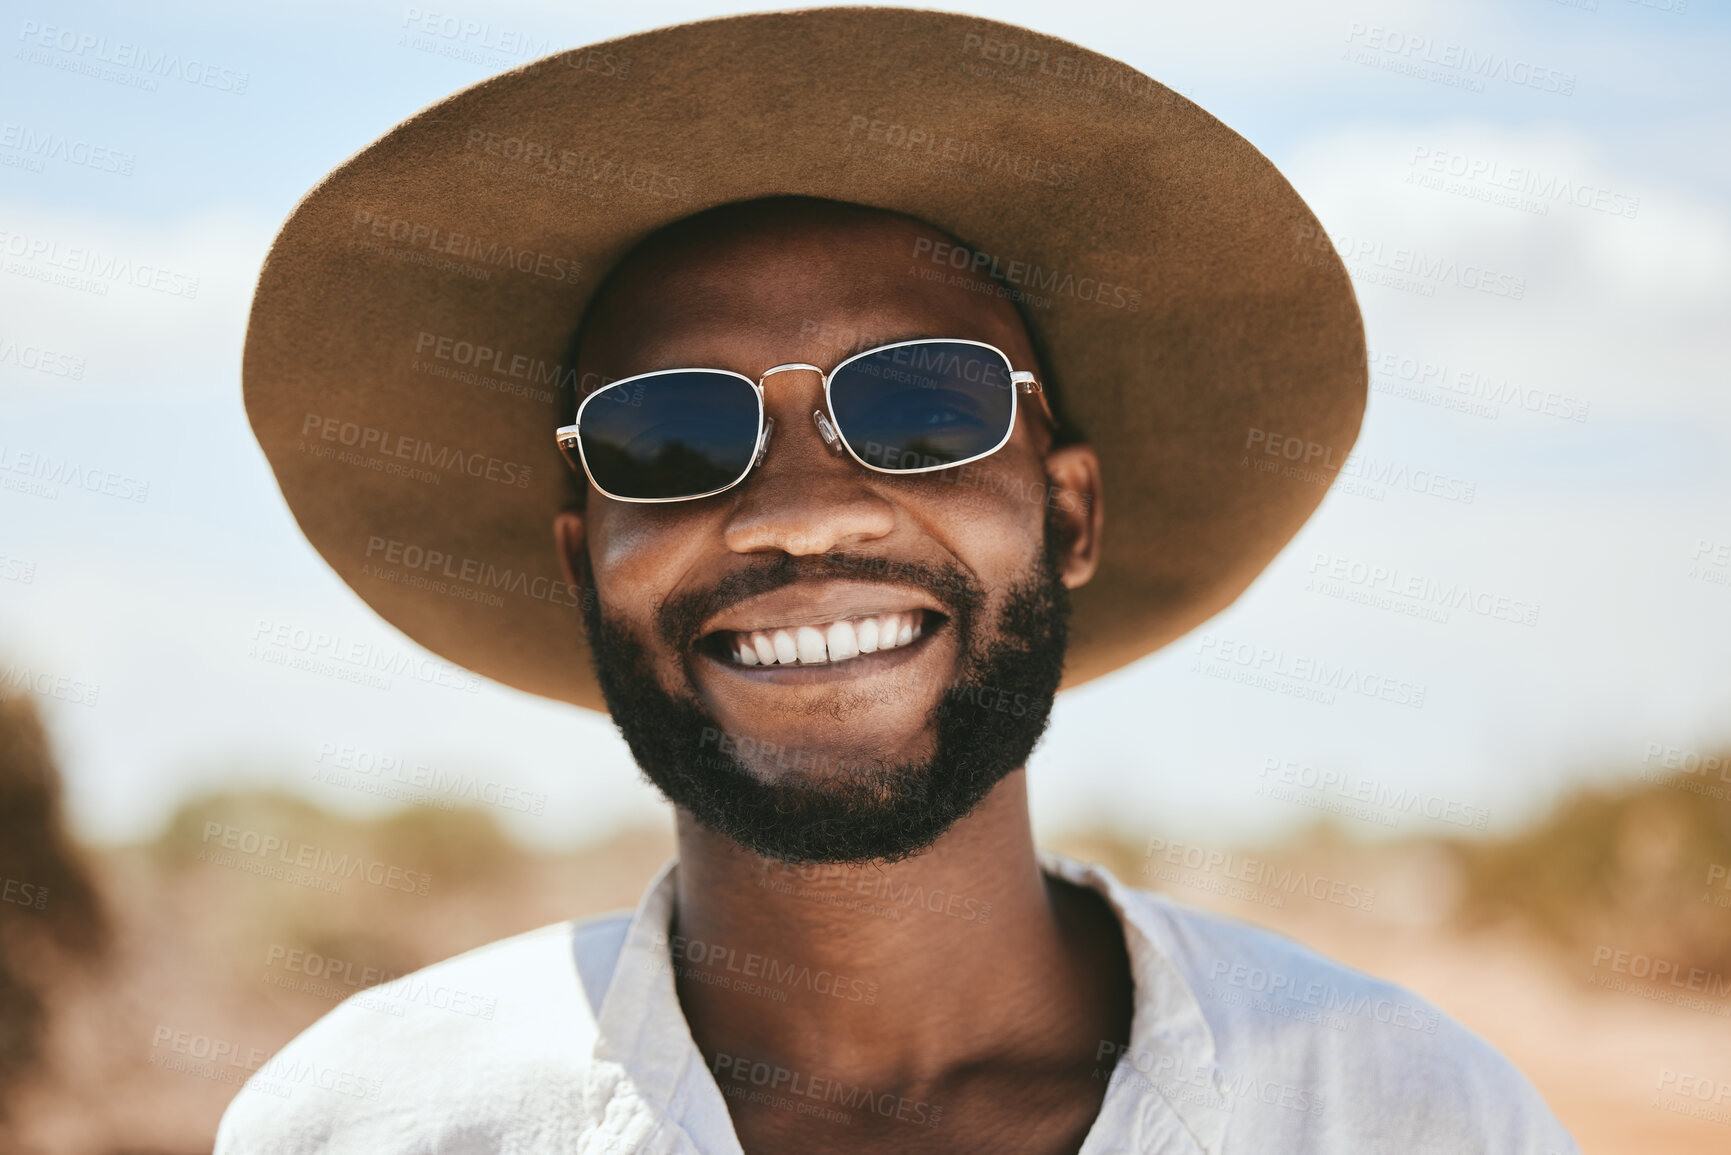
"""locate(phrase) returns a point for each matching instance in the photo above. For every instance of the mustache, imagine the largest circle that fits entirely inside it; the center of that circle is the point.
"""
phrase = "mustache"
(679, 619)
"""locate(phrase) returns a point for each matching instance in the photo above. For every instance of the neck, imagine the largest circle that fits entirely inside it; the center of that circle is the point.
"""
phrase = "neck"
(901, 972)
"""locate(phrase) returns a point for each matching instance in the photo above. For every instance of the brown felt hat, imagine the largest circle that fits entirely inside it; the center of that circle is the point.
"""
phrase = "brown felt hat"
(407, 358)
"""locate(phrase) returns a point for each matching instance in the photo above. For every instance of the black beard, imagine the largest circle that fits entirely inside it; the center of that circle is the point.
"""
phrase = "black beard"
(986, 723)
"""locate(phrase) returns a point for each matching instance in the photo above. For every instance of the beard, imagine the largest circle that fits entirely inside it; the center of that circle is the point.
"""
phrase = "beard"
(859, 808)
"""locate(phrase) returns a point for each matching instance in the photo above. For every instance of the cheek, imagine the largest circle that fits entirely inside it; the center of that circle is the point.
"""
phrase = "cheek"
(991, 514)
(638, 553)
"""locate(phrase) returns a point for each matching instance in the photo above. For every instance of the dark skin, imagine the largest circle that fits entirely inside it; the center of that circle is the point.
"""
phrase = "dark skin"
(996, 1021)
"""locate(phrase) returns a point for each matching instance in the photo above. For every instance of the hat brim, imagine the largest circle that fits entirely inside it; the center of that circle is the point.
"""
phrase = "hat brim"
(405, 357)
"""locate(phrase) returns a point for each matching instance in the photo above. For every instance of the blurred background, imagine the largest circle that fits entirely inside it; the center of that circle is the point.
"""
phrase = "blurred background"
(1540, 839)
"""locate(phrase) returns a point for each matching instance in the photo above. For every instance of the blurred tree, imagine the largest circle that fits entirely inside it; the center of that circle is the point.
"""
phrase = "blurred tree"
(1640, 866)
(50, 912)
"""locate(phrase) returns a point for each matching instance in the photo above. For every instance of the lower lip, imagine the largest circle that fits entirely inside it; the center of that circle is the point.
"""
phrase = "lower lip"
(798, 675)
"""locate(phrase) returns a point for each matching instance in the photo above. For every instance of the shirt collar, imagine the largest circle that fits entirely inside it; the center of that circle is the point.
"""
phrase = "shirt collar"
(648, 1089)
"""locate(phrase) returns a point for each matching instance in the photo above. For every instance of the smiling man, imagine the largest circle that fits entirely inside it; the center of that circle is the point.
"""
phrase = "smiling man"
(829, 538)
(798, 660)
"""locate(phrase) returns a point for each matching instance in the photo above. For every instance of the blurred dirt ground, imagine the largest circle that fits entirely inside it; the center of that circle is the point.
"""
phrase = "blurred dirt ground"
(135, 947)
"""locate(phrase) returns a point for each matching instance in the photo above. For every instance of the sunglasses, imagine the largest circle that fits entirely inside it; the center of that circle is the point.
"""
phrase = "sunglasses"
(909, 407)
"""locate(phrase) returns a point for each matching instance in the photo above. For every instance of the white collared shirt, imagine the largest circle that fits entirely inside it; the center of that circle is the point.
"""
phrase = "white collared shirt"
(571, 1039)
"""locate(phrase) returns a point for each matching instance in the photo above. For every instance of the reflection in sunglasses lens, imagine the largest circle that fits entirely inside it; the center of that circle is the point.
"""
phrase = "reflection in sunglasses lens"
(680, 434)
(923, 405)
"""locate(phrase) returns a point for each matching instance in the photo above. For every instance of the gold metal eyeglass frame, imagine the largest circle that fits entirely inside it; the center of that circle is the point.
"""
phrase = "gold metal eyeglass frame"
(1020, 382)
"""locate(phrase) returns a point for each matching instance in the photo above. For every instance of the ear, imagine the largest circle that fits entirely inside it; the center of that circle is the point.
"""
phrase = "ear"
(1075, 500)
(571, 545)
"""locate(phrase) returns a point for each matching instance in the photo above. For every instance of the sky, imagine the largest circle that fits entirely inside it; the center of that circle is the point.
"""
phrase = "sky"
(1576, 403)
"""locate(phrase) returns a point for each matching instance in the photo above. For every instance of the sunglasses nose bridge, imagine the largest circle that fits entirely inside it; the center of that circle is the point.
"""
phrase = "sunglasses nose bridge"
(790, 366)
(825, 428)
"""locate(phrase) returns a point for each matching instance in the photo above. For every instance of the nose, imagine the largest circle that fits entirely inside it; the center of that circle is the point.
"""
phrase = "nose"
(804, 498)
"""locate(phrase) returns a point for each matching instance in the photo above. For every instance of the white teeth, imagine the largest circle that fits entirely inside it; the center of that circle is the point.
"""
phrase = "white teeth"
(836, 642)
(811, 646)
(887, 631)
(843, 644)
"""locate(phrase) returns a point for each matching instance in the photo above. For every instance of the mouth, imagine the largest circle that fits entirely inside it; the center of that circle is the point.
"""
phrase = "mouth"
(821, 631)
(842, 641)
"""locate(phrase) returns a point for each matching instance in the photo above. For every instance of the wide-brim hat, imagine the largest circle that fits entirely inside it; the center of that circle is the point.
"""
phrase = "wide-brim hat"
(407, 357)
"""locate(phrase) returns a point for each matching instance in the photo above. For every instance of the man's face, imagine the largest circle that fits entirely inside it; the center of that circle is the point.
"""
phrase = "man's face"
(869, 756)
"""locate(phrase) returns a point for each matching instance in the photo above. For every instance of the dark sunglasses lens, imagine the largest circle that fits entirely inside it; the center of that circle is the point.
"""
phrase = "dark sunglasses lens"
(923, 405)
(675, 435)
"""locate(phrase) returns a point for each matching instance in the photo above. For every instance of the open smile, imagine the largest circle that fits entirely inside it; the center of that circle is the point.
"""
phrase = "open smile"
(813, 645)
(820, 651)
(822, 631)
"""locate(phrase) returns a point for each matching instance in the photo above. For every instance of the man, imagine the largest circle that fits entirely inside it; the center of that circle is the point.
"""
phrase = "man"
(830, 520)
